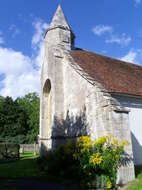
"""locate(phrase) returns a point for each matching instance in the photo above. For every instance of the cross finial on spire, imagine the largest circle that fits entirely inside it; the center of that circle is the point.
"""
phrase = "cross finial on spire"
(59, 19)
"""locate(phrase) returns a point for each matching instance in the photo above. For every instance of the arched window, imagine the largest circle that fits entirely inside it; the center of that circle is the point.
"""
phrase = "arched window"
(46, 114)
(47, 87)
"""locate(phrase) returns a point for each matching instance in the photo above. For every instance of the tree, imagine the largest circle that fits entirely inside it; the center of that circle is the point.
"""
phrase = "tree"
(30, 104)
(12, 121)
(19, 119)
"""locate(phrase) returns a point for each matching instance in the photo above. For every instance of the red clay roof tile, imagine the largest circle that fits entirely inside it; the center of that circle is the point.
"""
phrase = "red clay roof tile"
(115, 75)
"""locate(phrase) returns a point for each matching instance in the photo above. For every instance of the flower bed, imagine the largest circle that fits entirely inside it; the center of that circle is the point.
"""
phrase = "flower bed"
(93, 163)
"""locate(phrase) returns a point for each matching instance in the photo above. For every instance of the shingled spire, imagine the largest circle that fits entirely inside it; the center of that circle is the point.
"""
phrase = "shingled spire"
(59, 31)
(59, 19)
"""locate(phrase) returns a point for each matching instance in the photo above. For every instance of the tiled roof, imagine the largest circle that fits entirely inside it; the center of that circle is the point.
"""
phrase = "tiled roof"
(116, 76)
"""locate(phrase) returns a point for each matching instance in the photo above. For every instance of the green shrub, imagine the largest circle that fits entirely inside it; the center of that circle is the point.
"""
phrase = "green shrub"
(9, 151)
(99, 160)
(60, 162)
(94, 164)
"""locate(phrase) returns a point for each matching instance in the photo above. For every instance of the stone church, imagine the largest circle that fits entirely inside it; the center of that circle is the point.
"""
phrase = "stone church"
(84, 93)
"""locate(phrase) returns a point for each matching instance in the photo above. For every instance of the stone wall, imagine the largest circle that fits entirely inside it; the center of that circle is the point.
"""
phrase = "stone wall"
(103, 114)
(79, 105)
(134, 104)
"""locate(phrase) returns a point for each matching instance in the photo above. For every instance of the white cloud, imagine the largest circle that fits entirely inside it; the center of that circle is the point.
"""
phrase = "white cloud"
(111, 37)
(137, 2)
(39, 30)
(122, 40)
(133, 56)
(102, 29)
(9, 65)
(130, 56)
(22, 73)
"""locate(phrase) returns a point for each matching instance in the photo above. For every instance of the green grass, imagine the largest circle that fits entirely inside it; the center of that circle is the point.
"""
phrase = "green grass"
(137, 184)
(25, 167)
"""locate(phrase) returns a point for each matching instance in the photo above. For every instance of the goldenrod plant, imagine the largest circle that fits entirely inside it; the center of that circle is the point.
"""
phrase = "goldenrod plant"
(93, 163)
(99, 160)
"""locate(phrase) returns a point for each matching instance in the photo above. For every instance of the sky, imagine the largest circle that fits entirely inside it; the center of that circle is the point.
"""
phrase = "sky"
(108, 27)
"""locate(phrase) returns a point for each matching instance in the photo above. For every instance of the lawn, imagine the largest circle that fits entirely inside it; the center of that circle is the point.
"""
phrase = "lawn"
(25, 172)
(25, 167)
(137, 184)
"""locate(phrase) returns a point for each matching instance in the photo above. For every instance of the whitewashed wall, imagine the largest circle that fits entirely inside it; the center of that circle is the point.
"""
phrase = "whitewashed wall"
(135, 122)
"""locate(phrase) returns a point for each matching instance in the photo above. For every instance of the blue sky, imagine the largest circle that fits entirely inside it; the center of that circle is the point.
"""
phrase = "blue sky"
(109, 27)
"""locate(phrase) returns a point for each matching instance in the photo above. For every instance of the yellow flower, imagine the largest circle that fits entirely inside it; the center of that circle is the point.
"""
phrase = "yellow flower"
(123, 143)
(114, 150)
(114, 141)
(101, 140)
(109, 184)
(84, 142)
(96, 159)
(116, 157)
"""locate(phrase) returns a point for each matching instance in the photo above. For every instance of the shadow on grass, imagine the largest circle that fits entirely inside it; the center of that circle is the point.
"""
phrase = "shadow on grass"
(25, 167)
(24, 174)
